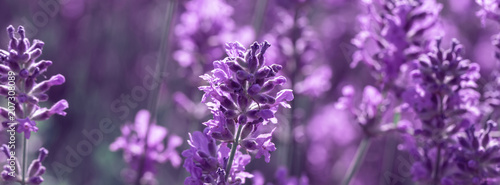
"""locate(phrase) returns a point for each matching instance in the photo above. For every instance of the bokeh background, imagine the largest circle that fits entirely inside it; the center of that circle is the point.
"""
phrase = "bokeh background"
(105, 49)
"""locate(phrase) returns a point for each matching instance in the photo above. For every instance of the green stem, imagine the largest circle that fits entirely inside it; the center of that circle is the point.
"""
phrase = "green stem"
(233, 151)
(438, 164)
(358, 159)
(25, 143)
(154, 94)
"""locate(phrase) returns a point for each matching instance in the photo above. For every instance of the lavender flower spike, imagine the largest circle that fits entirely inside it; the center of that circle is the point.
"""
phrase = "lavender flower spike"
(132, 143)
(20, 58)
(35, 170)
(446, 102)
(240, 96)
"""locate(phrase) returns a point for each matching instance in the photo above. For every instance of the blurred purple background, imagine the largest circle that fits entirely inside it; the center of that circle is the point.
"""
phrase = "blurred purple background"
(107, 49)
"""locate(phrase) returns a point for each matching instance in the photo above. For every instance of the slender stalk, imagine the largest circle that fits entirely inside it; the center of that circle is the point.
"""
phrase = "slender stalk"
(294, 159)
(390, 149)
(233, 151)
(160, 65)
(25, 143)
(259, 15)
(438, 164)
(358, 159)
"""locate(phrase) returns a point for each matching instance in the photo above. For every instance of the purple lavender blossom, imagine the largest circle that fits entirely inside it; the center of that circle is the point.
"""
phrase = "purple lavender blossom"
(445, 102)
(239, 97)
(491, 90)
(489, 10)
(206, 162)
(393, 34)
(297, 51)
(20, 58)
(476, 158)
(203, 28)
(369, 112)
(35, 170)
(132, 143)
(239, 94)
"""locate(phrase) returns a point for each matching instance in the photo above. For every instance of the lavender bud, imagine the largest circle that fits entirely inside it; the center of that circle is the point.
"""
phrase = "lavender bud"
(243, 102)
(227, 103)
(262, 73)
(43, 153)
(242, 119)
(260, 98)
(234, 66)
(254, 89)
(230, 114)
(35, 180)
(249, 144)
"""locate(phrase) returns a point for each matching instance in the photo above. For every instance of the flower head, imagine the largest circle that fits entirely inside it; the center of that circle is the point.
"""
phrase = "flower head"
(206, 161)
(135, 147)
(393, 34)
(476, 158)
(19, 61)
(445, 101)
(241, 98)
(35, 169)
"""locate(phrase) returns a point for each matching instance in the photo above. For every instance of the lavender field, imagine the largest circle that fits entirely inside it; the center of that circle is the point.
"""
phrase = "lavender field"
(240, 92)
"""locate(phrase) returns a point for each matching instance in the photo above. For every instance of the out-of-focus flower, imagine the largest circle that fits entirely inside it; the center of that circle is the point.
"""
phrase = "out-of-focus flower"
(369, 111)
(134, 146)
(393, 33)
(201, 32)
(35, 170)
(491, 90)
(489, 10)
(445, 102)
(20, 58)
(281, 178)
(297, 49)
(330, 130)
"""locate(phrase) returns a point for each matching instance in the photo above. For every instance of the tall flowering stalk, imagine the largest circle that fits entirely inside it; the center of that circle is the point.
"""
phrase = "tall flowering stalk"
(20, 60)
(240, 98)
(445, 101)
(393, 34)
(297, 50)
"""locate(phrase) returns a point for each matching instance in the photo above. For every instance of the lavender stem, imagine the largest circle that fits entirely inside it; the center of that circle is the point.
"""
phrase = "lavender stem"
(233, 151)
(25, 142)
(358, 159)
(155, 93)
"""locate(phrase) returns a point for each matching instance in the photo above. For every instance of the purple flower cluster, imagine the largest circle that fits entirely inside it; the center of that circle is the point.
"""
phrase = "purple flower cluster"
(240, 98)
(206, 161)
(35, 170)
(393, 34)
(297, 49)
(201, 30)
(367, 112)
(445, 101)
(477, 158)
(489, 10)
(20, 58)
(431, 93)
(152, 151)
